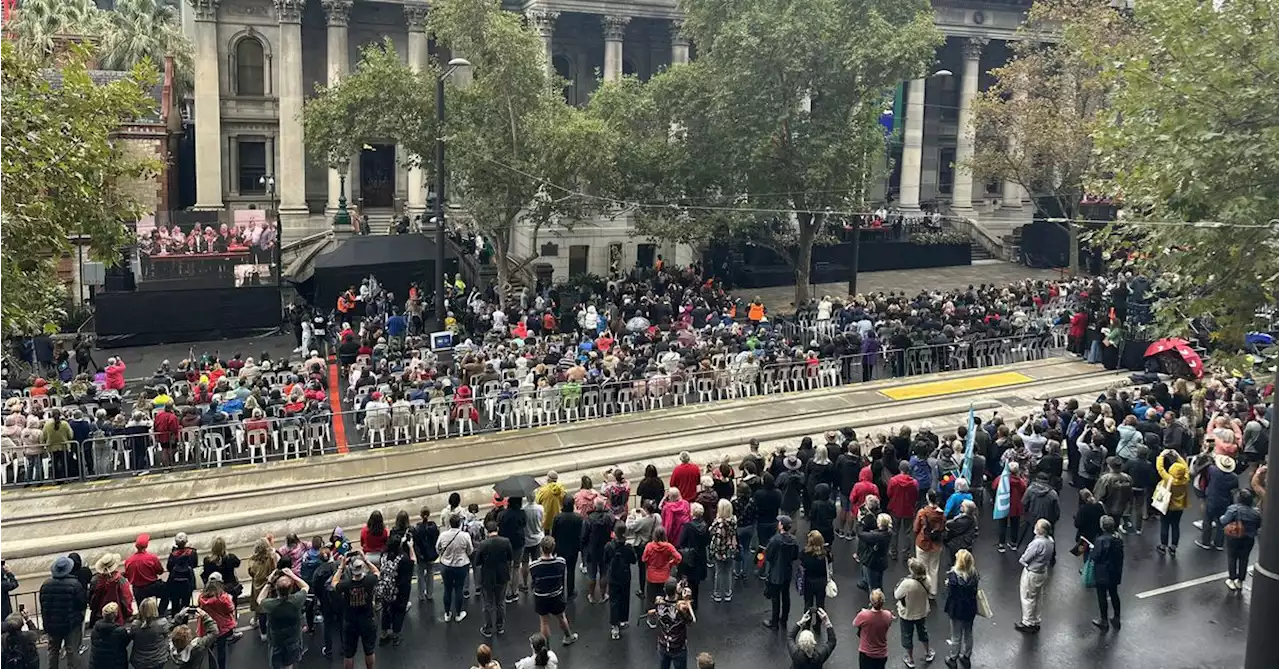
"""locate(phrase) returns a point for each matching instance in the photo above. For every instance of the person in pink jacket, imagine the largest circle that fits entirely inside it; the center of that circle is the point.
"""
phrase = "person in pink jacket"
(115, 374)
(675, 513)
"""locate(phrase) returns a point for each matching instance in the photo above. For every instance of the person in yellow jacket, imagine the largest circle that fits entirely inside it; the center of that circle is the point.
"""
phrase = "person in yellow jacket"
(1175, 475)
(550, 497)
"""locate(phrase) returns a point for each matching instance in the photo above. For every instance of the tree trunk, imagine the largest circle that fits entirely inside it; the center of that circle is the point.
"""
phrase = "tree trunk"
(804, 258)
(1073, 248)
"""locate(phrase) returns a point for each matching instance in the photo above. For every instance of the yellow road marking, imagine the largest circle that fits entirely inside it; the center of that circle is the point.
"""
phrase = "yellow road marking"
(936, 388)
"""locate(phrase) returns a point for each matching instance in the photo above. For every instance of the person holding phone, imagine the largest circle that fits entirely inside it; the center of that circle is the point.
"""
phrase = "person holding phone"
(283, 600)
(803, 646)
(354, 584)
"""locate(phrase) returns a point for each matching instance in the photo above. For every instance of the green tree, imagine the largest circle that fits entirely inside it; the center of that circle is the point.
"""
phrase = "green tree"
(775, 122)
(383, 99)
(1191, 135)
(63, 174)
(520, 160)
(136, 30)
(1034, 126)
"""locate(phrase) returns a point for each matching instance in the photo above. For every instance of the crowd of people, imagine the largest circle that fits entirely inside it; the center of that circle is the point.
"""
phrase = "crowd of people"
(653, 332)
(916, 495)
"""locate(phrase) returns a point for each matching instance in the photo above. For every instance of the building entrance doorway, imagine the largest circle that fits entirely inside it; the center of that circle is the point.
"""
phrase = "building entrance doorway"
(378, 176)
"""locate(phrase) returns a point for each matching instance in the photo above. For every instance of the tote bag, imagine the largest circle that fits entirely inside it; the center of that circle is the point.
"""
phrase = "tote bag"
(984, 607)
(1086, 574)
(833, 590)
(1160, 498)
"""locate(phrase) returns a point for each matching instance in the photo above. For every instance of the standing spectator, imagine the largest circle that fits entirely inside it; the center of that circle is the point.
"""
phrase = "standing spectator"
(616, 562)
(394, 586)
(930, 528)
(1009, 487)
(1174, 475)
(108, 640)
(1040, 502)
(216, 602)
(724, 551)
(659, 558)
(1035, 563)
(1108, 566)
(283, 600)
(143, 571)
(962, 531)
(768, 503)
(1115, 489)
(149, 632)
(1088, 522)
(189, 653)
(62, 604)
(693, 543)
(650, 487)
(802, 643)
(675, 513)
(962, 607)
(425, 535)
(815, 561)
(1220, 484)
(912, 595)
(182, 575)
(673, 613)
(779, 559)
(550, 497)
(262, 564)
(1241, 523)
(109, 586)
(454, 547)
(548, 575)
(168, 431)
(373, 538)
(873, 624)
(494, 557)
(511, 522)
(1142, 472)
(685, 477)
(596, 531)
(903, 494)
(354, 584)
(569, 531)
(873, 552)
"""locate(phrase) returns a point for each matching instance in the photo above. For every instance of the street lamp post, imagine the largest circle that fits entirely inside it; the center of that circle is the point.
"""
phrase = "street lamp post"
(440, 237)
(268, 182)
(342, 218)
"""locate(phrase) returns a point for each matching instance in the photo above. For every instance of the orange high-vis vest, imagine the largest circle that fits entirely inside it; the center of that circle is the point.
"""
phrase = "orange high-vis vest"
(345, 303)
(756, 312)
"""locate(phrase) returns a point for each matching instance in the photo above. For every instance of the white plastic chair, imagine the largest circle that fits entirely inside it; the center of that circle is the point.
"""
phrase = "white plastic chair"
(255, 440)
(291, 436)
(215, 445)
(376, 427)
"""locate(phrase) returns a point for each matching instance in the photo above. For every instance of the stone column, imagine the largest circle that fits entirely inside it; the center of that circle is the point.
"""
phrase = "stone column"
(291, 178)
(208, 106)
(614, 27)
(912, 146)
(545, 23)
(962, 188)
(415, 15)
(338, 12)
(679, 43)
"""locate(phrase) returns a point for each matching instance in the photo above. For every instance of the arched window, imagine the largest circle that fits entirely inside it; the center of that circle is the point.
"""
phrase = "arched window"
(250, 69)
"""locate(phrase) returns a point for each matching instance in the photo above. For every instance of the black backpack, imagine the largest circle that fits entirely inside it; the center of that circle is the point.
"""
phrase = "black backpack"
(1093, 460)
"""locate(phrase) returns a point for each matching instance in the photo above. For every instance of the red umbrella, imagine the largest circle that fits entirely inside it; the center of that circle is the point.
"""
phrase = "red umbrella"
(1164, 345)
(1177, 357)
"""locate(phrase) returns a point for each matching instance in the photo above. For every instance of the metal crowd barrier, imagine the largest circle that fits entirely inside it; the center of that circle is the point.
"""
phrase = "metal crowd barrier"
(496, 408)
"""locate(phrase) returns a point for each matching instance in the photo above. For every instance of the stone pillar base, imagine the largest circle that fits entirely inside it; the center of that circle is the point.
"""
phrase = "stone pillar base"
(298, 223)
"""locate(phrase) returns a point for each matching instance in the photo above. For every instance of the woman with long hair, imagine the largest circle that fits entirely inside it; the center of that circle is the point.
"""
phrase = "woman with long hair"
(962, 607)
(542, 657)
(150, 632)
(219, 561)
(261, 566)
(744, 511)
(651, 488)
(374, 537)
(815, 560)
(220, 606)
(484, 658)
(724, 550)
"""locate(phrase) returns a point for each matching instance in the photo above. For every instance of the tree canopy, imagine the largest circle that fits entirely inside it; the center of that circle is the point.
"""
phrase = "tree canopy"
(1034, 126)
(1191, 136)
(64, 174)
(775, 123)
(135, 31)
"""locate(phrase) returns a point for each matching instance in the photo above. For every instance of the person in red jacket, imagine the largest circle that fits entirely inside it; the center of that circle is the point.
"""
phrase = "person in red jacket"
(903, 494)
(685, 477)
(659, 559)
(143, 570)
(167, 429)
(863, 489)
(1017, 486)
(1075, 335)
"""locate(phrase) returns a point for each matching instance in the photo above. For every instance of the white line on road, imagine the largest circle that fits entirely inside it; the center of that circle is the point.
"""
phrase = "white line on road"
(1183, 585)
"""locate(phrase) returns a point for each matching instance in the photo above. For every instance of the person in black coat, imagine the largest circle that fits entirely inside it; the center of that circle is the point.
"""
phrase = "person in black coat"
(695, 537)
(62, 605)
(1108, 566)
(873, 552)
(822, 513)
(567, 529)
(617, 559)
(803, 647)
(1088, 521)
(19, 646)
(768, 504)
(109, 641)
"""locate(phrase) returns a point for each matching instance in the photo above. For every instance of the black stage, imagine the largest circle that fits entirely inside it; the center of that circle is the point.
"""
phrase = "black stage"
(145, 317)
